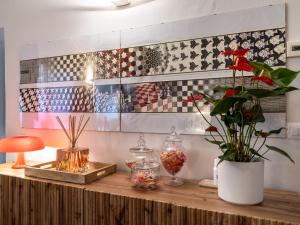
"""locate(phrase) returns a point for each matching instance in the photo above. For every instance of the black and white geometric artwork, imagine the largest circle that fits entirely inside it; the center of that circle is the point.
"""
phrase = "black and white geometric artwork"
(137, 85)
(203, 54)
(78, 99)
(170, 96)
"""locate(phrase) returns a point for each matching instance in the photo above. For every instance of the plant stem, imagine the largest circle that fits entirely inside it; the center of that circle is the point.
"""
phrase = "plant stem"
(215, 141)
(205, 117)
(222, 128)
(262, 144)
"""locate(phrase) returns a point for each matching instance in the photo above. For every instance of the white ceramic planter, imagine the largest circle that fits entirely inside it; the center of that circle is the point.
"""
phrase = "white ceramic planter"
(241, 182)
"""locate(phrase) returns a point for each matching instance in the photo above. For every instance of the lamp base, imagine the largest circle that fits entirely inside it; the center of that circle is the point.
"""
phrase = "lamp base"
(20, 163)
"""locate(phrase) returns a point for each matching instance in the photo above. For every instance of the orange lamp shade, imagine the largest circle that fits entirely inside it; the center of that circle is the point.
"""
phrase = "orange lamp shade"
(21, 144)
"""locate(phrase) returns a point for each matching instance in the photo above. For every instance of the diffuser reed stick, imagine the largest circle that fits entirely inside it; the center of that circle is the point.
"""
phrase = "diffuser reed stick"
(74, 131)
(73, 159)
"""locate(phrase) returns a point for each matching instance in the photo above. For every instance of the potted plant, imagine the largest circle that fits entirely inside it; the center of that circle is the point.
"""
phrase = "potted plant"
(238, 112)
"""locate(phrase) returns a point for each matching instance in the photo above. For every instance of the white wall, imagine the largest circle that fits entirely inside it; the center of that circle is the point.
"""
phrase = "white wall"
(36, 21)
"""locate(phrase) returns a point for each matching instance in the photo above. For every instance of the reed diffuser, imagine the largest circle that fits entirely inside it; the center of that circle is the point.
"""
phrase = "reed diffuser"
(73, 158)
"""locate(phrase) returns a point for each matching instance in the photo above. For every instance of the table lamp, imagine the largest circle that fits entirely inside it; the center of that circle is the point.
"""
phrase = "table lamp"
(21, 144)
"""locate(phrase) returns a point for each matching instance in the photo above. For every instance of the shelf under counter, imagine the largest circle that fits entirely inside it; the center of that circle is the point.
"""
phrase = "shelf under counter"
(113, 201)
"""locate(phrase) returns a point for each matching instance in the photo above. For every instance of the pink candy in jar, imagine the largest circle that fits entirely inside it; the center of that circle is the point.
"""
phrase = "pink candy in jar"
(145, 175)
(173, 160)
(139, 154)
(173, 157)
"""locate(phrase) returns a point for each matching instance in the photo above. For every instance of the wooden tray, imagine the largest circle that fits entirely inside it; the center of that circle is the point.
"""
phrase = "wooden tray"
(48, 171)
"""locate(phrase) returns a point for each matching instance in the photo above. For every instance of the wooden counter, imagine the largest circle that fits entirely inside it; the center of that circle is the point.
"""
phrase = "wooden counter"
(112, 201)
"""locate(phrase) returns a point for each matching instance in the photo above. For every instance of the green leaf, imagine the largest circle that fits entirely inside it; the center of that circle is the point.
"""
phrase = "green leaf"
(226, 120)
(225, 104)
(232, 131)
(214, 142)
(280, 151)
(220, 88)
(259, 93)
(283, 90)
(223, 89)
(283, 76)
(225, 156)
(206, 97)
(267, 134)
(223, 146)
(259, 67)
(278, 131)
(254, 152)
(263, 93)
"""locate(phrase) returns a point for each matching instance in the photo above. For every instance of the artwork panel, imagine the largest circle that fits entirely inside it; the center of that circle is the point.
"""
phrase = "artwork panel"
(107, 98)
(57, 99)
(73, 99)
(158, 67)
(26, 69)
(203, 54)
(170, 96)
(71, 67)
(107, 64)
(103, 65)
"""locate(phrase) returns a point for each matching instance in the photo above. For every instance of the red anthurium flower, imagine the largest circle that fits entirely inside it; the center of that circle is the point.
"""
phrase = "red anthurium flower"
(212, 129)
(241, 64)
(231, 92)
(264, 79)
(194, 98)
(239, 53)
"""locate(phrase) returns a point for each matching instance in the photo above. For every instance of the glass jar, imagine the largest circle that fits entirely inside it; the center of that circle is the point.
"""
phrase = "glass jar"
(172, 157)
(145, 175)
(139, 154)
(72, 159)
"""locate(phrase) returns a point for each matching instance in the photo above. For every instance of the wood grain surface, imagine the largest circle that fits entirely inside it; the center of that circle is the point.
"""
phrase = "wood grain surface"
(113, 201)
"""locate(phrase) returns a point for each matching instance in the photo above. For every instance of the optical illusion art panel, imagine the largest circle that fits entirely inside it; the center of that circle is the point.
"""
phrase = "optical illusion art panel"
(133, 86)
(203, 54)
(170, 96)
(79, 99)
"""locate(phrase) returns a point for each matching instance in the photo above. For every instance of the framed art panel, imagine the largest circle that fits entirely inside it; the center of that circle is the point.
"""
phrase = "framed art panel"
(72, 76)
(161, 65)
(137, 80)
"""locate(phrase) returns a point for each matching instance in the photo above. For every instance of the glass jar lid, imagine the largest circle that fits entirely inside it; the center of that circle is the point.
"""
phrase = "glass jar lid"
(141, 146)
(173, 136)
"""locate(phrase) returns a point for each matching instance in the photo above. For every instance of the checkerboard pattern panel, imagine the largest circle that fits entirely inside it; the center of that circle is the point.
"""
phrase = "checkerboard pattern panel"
(195, 55)
(149, 98)
(68, 67)
(169, 96)
(181, 90)
(145, 94)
